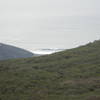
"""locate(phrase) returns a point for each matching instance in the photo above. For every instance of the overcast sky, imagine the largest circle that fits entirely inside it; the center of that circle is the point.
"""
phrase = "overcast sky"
(33, 24)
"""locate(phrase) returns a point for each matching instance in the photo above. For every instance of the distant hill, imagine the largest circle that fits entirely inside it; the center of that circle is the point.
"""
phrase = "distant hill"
(69, 75)
(10, 52)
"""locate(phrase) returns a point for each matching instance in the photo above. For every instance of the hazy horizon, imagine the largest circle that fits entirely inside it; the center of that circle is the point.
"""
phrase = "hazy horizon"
(34, 24)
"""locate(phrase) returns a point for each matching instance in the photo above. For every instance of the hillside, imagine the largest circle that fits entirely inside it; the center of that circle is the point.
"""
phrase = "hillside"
(10, 52)
(69, 75)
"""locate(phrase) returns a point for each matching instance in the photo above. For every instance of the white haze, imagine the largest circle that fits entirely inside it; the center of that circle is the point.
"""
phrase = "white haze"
(34, 24)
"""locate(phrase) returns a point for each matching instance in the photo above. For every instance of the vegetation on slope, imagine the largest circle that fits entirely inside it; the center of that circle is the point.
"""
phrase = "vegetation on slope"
(69, 75)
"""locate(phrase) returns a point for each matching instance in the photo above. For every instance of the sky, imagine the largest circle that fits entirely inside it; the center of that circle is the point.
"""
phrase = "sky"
(34, 24)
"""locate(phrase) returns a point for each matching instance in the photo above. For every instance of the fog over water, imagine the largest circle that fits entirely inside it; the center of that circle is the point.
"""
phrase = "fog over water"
(35, 24)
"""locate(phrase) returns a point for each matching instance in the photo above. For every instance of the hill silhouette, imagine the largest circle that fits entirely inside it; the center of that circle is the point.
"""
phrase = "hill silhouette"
(69, 75)
(10, 52)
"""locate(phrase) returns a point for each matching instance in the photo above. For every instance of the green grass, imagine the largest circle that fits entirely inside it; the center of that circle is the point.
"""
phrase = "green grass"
(69, 75)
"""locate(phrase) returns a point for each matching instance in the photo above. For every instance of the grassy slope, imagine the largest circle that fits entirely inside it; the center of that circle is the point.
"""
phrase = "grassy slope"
(70, 75)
